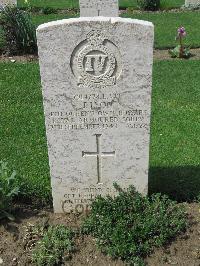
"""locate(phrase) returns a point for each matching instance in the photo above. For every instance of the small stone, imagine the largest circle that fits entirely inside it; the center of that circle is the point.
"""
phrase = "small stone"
(1, 261)
(173, 251)
(174, 263)
(12, 60)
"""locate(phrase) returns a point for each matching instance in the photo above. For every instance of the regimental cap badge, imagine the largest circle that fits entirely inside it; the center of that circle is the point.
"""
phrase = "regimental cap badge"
(96, 61)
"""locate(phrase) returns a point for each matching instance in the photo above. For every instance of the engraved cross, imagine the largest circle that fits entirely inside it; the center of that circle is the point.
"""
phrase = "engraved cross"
(98, 154)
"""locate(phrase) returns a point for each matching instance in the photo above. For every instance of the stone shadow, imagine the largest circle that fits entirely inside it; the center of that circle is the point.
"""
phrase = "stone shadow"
(180, 183)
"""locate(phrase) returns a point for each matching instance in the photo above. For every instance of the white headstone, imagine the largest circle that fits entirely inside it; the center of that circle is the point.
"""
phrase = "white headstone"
(192, 2)
(105, 8)
(4, 3)
(96, 78)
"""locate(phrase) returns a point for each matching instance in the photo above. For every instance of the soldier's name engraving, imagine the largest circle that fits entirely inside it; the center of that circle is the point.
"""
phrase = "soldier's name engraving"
(98, 111)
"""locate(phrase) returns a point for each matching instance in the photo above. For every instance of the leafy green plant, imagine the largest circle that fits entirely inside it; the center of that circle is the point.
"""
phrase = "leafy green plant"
(8, 190)
(55, 246)
(130, 225)
(180, 51)
(20, 32)
(151, 5)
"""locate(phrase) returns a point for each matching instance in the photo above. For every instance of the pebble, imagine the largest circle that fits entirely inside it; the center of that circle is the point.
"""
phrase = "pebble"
(1, 261)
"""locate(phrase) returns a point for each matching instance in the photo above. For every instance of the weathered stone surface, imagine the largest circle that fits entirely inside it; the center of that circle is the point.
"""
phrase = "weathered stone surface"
(192, 2)
(105, 8)
(96, 78)
(7, 2)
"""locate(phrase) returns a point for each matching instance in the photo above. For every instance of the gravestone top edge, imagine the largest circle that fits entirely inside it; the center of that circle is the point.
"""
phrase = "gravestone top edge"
(112, 20)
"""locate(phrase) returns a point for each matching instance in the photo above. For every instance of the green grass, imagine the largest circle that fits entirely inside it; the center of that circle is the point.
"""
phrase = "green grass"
(165, 4)
(22, 131)
(40, 19)
(166, 25)
(62, 4)
(175, 139)
(172, 3)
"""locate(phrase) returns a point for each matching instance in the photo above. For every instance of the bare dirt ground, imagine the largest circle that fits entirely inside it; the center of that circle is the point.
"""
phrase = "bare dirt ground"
(158, 55)
(18, 58)
(164, 55)
(15, 249)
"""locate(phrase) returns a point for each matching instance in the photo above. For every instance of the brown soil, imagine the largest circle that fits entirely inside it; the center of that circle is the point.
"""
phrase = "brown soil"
(15, 247)
(164, 55)
(158, 55)
(185, 250)
(19, 58)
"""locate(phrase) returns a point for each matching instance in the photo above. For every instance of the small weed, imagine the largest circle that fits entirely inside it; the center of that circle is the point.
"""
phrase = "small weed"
(180, 51)
(55, 246)
(130, 225)
(8, 190)
(34, 233)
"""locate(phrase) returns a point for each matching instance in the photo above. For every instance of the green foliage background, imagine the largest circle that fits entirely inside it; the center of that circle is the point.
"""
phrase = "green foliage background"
(62, 4)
